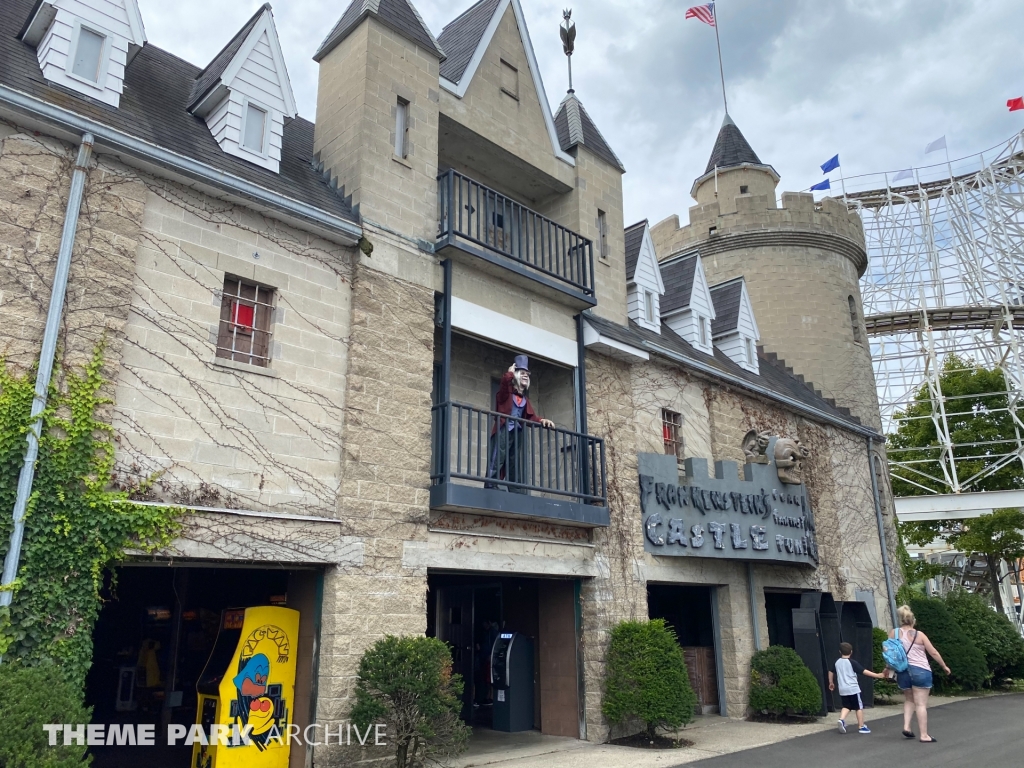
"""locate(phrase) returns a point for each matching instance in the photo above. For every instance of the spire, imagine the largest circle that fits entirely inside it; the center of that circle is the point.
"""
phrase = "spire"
(731, 148)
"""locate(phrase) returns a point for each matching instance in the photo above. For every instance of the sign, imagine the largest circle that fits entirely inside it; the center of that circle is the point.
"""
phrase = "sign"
(759, 518)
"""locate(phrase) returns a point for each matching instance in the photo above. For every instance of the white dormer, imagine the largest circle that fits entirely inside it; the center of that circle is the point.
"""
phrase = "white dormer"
(687, 307)
(643, 278)
(85, 45)
(735, 330)
(245, 94)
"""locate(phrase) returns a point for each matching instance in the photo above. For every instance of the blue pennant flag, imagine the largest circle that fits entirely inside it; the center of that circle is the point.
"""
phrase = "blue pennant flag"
(821, 185)
(830, 165)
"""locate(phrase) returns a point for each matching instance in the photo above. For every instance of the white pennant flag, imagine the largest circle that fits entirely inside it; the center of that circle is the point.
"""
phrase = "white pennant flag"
(939, 143)
(907, 174)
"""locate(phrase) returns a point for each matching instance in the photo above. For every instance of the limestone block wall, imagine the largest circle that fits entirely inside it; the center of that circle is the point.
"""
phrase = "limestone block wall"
(360, 84)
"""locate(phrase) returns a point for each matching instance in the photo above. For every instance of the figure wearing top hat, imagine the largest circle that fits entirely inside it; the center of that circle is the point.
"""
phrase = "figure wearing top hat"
(507, 449)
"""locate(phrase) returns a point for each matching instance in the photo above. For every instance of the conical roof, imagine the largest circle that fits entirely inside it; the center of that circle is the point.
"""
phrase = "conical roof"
(575, 127)
(731, 148)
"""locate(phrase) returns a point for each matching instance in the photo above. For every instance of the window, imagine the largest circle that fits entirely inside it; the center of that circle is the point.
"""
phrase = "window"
(255, 129)
(649, 306)
(703, 331)
(672, 433)
(743, 189)
(853, 318)
(402, 128)
(602, 231)
(750, 351)
(245, 313)
(509, 80)
(88, 55)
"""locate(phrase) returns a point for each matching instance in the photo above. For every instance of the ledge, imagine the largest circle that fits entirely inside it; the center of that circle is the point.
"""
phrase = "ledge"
(233, 365)
(453, 497)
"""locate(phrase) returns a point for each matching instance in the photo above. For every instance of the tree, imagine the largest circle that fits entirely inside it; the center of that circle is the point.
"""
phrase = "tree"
(980, 425)
(998, 536)
(647, 677)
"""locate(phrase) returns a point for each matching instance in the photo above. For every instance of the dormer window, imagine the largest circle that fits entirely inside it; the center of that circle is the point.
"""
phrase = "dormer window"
(703, 331)
(687, 307)
(649, 307)
(87, 58)
(255, 131)
(751, 356)
(735, 332)
(643, 278)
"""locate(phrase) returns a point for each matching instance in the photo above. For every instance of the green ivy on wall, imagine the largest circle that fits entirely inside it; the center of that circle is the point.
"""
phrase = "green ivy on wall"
(76, 526)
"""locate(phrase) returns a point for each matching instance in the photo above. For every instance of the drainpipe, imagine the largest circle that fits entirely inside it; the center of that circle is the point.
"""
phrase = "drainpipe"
(872, 459)
(755, 622)
(46, 356)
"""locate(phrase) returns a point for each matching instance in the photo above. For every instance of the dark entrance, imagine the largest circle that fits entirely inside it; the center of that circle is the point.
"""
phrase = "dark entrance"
(778, 607)
(690, 612)
(471, 612)
(155, 634)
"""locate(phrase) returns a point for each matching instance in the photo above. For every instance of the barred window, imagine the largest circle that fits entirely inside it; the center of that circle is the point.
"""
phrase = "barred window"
(245, 315)
(672, 433)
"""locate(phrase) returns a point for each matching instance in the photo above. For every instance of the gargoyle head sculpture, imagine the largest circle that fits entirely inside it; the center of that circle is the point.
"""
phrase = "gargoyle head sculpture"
(789, 458)
(755, 443)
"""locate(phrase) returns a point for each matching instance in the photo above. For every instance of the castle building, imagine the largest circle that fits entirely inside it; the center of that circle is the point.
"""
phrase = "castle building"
(310, 330)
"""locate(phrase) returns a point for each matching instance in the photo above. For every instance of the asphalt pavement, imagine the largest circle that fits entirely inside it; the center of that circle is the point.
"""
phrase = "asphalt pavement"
(977, 732)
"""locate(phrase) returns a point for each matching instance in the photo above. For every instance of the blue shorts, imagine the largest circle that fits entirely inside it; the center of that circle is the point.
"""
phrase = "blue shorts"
(914, 677)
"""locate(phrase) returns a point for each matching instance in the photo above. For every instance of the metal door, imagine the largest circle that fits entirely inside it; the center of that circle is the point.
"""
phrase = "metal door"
(455, 626)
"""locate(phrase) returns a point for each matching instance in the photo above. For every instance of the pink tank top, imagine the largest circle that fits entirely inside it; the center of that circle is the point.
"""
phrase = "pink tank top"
(916, 655)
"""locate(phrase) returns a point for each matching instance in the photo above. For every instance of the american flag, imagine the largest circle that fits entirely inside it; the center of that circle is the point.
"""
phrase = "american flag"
(705, 13)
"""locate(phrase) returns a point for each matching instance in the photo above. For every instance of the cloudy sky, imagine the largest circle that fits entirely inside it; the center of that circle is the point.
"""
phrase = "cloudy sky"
(874, 80)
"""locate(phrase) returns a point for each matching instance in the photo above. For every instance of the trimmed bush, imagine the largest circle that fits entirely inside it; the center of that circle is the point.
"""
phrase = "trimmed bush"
(966, 662)
(407, 684)
(883, 688)
(781, 684)
(647, 678)
(30, 697)
(992, 632)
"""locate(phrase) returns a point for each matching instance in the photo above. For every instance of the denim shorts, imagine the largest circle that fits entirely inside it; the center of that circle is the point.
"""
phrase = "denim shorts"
(914, 677)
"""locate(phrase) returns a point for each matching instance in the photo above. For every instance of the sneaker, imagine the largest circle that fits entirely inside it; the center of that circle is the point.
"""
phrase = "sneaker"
(842, 726)
(863, 729)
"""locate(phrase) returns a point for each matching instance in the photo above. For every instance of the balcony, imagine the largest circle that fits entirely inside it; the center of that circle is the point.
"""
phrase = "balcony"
(552, 474)
(514, 239)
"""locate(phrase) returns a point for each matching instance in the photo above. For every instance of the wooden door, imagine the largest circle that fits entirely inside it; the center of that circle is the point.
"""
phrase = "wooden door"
(700, 663)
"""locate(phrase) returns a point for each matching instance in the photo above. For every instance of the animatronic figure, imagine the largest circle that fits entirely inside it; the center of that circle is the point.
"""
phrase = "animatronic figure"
(507, 448)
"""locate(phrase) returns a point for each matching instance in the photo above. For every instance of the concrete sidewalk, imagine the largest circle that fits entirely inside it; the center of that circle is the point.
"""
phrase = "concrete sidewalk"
(712, 736)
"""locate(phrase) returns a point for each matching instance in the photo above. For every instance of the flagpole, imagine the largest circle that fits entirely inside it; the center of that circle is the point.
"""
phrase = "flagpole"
(721, 70)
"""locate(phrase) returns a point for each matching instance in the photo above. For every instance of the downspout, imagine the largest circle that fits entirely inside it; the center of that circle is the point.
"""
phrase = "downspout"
(45, 372)
(754, 621)
(881, 529)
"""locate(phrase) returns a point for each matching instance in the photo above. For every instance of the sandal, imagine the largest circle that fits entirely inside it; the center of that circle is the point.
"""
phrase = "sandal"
(908, 734)
(931, 740)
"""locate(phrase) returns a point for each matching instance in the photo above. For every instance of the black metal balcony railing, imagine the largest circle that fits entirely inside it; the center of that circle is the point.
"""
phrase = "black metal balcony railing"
(543, 460)
(475, 213)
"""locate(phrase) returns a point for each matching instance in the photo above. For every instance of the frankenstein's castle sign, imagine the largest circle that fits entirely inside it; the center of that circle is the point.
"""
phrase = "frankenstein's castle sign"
(765, 517)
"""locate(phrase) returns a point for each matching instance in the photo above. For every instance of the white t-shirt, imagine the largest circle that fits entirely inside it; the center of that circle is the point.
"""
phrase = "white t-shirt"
(846, 676)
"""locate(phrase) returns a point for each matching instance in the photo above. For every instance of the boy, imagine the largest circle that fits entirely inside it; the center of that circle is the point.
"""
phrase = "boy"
(849, 689)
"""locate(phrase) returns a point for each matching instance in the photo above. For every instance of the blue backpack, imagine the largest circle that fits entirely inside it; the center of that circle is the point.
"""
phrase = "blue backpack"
(895, 654)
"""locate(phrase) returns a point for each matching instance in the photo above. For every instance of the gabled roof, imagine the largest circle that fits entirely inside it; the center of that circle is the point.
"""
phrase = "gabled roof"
(634, 240)
(726, 298)
(400, 15)
(678, 275)
(210, 76)
(43, 12)
(154, 109)
(461, 37)
(731, 148)
(575, 128)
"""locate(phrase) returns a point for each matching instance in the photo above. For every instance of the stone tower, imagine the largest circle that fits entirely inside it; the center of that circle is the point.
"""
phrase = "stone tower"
(802, 263)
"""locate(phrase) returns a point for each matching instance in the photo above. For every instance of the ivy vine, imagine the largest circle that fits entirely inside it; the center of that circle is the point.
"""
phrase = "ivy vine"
(77, 525)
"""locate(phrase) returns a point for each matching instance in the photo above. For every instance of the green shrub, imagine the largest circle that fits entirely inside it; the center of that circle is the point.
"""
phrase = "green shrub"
(883, 688)
(966, 662)
(29, 698)
(647, 678)
(992, 632)
(407, 684)
(781, 684)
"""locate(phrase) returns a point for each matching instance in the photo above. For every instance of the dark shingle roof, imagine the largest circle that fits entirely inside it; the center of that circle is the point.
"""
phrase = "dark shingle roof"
(154, 108)
(400, 15)
(634, 239)
(574, 127)
(726, 298)
(677, 275)
(209, 77)
(460, 38)
(731, 148)
(773, 376)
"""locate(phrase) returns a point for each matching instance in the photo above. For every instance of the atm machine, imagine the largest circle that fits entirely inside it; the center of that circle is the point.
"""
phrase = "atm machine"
(512, 678)
(248, 686)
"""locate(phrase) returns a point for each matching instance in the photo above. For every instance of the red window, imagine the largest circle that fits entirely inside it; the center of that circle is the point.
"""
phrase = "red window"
(245, 321)
(243, 315)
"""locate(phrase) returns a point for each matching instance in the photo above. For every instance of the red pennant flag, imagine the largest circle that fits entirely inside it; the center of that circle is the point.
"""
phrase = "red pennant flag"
(1015, 104)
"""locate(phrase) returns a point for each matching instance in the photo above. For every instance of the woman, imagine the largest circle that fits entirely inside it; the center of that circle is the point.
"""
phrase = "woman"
(916, 680)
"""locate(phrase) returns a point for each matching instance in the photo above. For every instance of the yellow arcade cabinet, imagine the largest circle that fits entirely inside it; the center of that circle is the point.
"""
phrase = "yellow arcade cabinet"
(249, 680)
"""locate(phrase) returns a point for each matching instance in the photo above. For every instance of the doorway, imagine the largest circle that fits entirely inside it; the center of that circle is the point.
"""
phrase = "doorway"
(471, 612)
(155, 635)
(690, 612)
(778, 608)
